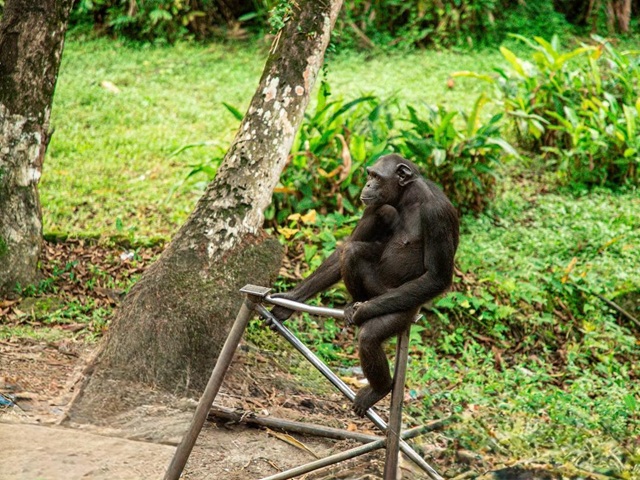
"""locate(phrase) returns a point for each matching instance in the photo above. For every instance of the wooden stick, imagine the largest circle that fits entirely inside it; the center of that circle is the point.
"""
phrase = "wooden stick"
(249, 418)
(290, 425)
(331, 460)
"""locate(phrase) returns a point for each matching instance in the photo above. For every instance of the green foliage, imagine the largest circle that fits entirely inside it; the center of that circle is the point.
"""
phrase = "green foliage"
(326, 169)
(280, 14)
(579, 108)
(334, 143)
(539, 18)
(526, 407)
(148, 20)
(383, 23)
(418, 22)
(530, 279)
(164, 20)
(461, 158)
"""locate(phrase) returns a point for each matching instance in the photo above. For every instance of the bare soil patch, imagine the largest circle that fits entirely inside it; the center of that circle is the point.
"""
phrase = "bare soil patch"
(39, 377)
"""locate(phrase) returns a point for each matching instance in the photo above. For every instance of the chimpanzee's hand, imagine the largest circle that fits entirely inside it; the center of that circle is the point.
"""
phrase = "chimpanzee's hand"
(350, 313)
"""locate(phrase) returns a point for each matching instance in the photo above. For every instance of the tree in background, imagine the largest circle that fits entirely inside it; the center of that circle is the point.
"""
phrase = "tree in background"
(31, 43)
(585, 12)
(172, 324)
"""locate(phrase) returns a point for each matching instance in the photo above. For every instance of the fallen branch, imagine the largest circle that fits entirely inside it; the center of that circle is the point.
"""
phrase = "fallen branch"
(240, 416)
(619, 309)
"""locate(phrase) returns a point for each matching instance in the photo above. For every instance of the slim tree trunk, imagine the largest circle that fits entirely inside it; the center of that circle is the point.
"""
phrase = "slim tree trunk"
(619, 14)
(31, 42)
(581, 12)
(172, 324)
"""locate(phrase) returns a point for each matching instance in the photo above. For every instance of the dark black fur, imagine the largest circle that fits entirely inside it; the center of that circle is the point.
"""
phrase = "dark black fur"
(399, 256)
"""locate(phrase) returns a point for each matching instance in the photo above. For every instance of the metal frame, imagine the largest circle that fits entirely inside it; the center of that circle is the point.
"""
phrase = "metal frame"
(394, 439)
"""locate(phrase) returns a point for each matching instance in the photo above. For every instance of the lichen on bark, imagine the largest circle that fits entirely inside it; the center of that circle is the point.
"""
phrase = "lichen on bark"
(31, 43)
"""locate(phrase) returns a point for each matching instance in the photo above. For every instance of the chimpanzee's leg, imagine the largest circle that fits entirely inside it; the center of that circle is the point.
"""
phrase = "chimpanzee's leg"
(373, 359)
(322, 278)
(358, 268)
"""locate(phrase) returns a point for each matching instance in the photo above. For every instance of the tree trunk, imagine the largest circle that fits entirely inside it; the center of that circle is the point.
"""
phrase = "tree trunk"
(580, 12)
(31, 42)
(619, 15)
(173, 322)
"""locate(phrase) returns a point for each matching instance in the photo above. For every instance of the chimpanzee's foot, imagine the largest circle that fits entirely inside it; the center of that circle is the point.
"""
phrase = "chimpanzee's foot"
(366, 398)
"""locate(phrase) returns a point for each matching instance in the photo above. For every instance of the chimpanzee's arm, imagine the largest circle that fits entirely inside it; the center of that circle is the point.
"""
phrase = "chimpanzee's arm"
(377, 222)
(440, 236)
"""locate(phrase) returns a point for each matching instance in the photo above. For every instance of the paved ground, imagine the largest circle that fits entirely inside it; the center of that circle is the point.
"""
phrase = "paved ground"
(33, 452)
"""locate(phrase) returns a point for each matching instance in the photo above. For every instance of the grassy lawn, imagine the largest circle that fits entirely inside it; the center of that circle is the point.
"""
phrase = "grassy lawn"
(109, 168)
(538, 368)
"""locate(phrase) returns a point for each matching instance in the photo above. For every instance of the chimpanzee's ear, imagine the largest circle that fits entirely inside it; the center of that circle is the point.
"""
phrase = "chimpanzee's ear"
(405, 174)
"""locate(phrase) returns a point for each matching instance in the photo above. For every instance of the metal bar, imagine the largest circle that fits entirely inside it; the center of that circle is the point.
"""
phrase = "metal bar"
(316, 362)
(325, 462)
(343, 388)
(331, 460)
(303, 307)
(183, 451)
(395, 414)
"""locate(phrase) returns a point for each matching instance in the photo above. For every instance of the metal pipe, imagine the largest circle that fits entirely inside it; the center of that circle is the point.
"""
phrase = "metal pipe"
(303, 307)
(395, 414)
(331, 460)
(343, 388)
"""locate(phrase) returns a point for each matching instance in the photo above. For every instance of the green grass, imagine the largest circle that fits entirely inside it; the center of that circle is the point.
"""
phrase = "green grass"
(110, 156)
(109, 168)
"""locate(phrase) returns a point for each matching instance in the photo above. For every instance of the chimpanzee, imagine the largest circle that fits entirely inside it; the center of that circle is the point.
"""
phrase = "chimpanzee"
(399, 256)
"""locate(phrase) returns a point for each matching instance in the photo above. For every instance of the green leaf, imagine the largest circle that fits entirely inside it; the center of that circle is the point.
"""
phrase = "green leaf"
(248, 16)
(630, 116)
(562, 59)
(189, 146)
(323, 93)
(513, 60)
(479, 76)
(552, 53)
(525, 40)
(439, 156)
(473, 119)
(234, 111)
(348, 106)
(506, 146)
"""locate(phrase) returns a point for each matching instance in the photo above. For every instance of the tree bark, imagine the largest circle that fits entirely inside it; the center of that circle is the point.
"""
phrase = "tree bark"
(581, 12)
(619, 15)
(172, 324)
(31, 43)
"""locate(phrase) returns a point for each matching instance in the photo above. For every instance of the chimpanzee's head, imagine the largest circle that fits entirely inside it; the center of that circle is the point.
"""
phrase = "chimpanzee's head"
(387, 180)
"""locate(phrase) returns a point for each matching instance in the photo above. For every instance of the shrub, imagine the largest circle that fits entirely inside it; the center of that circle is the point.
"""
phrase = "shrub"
(462, 160)
(338, 139)
(383, 23)
(418, 22)
(577, 108)
(167, 20)
(334, 144)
